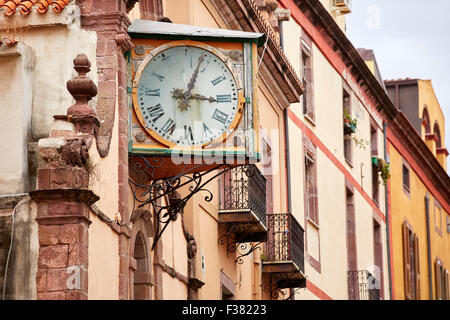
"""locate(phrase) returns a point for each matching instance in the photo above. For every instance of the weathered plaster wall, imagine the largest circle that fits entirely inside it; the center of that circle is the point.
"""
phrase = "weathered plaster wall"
(22, 266)
(16, 75)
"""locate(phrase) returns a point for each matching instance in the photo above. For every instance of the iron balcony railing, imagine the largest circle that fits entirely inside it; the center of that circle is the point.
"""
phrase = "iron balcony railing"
(362, 285)
(285, 241)
(244, 188)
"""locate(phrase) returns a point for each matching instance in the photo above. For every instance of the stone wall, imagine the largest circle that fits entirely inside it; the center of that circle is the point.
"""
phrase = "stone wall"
(22, 265)
(5, 240)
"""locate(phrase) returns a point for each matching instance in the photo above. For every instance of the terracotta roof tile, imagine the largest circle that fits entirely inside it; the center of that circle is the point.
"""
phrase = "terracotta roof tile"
(26, 6)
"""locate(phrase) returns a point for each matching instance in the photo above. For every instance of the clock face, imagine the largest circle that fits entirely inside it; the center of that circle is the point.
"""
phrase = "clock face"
(187, 96)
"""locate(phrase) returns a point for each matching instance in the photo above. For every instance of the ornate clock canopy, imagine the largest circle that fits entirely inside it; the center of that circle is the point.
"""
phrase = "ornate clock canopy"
(192, 97)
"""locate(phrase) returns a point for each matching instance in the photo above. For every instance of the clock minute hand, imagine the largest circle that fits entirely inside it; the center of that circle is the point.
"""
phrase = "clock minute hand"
(187, 95)
(194, 75)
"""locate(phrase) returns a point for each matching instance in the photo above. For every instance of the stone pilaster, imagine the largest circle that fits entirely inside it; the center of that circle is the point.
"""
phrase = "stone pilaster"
(63, 197)
(108, 18)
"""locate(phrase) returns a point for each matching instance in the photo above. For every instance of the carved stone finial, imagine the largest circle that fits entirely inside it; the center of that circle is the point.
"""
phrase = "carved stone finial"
(81, 88)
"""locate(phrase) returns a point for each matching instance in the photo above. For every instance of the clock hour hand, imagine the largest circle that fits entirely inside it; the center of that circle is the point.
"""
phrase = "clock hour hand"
(178, 94)
(200, 97)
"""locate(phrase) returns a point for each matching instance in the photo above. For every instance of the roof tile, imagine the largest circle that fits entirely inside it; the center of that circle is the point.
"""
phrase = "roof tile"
(26, 6)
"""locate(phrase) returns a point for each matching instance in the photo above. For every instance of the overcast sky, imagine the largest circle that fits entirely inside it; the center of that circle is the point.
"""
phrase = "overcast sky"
(410, 38)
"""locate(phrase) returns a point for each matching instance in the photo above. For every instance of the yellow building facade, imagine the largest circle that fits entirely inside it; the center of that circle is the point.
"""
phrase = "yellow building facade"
(419, 194)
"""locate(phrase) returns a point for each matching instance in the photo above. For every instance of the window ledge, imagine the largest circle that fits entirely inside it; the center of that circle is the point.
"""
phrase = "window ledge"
(315, 225)
(349, 163)
(310, 120)
(407, 191)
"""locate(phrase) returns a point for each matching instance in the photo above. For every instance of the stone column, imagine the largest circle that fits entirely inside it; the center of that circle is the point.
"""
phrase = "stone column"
(108, 18)
(63, 197)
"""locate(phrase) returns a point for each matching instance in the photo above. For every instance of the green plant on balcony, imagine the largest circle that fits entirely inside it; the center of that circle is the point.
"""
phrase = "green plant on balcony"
(360, 142)
(349, 123)
(384, 170)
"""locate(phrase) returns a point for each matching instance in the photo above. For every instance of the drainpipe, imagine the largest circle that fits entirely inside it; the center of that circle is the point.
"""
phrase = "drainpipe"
(430, 272)
(288, 161)
(386, 204)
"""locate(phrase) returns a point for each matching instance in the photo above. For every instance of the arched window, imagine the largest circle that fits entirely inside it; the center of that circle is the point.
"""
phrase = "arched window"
(437, 133)
(140, 254)
(426, 120)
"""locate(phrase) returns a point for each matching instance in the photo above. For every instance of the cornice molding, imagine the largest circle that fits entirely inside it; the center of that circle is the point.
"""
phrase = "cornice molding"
(337, 39)
(420, 152)
(244, 15)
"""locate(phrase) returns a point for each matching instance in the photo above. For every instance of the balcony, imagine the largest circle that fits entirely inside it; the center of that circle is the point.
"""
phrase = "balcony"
(363, 286)
(284, 251)
(243, 204)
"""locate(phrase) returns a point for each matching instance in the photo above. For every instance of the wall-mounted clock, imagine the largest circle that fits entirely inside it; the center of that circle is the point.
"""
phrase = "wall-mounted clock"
(192, 92)
(185, 94)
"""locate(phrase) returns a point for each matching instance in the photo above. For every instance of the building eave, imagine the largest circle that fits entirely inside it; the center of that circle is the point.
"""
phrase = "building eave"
(417, 148)
(337, 39)
(244, 15)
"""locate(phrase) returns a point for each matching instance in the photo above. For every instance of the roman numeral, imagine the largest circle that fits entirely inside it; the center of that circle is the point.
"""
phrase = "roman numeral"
(158, 76)
(220, 116)
(223, 98)
(168, 127)
(152, 92)
(206, 131)
(188, 133)
(156, 112)
(218, 80)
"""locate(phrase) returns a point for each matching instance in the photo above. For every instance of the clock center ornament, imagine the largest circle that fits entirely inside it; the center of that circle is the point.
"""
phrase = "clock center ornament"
(192, 108)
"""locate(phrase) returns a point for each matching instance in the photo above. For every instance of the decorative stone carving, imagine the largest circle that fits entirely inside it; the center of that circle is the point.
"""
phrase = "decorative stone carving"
(82, 89)
(75, 152)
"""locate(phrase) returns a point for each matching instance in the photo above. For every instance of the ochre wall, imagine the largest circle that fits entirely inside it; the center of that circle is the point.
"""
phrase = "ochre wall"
(427, 97)
(412, 209)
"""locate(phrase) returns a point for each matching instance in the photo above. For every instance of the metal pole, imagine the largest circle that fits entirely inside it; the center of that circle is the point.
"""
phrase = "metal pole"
(386, 202)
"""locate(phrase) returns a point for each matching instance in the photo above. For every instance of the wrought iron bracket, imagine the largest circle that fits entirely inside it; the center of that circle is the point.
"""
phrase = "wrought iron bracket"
(277, 292)
(234, 237)
(161, 194)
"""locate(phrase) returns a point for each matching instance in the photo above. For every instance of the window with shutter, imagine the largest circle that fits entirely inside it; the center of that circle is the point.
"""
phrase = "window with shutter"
(347, 110)
(267, 172)
(307, 77)
(311, 188)
(406, 261)
(447, 286)
(437, 279)
(416, 268)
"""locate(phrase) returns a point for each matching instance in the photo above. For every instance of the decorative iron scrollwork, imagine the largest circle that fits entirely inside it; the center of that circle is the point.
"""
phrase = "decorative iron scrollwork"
(278, 293)
(233, 239)
(161, 194)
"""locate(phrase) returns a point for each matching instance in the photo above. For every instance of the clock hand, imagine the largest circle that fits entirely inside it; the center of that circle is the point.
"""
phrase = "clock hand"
(200, 97)
(187, 95)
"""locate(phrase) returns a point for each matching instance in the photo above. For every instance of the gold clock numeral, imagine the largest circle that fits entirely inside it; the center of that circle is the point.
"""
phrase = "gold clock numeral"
(220, 116)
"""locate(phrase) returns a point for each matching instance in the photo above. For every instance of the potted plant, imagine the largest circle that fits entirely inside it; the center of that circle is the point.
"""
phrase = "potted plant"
(375, 161)
(383, 169)
(349, 123)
